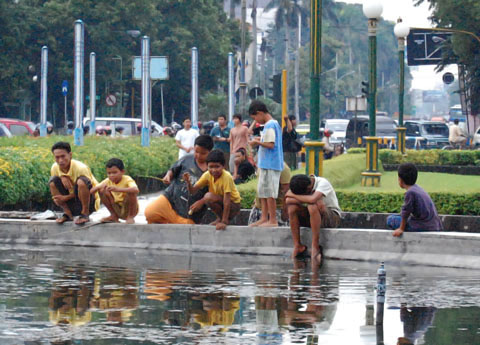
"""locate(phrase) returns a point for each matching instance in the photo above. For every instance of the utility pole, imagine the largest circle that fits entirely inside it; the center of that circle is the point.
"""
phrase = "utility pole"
(254, 80)
(243, 84)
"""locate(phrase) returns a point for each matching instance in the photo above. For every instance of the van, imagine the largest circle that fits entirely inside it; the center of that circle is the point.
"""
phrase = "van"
(386, 127)
(130, 125)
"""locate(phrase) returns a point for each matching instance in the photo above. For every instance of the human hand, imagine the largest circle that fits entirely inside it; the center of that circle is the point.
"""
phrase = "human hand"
(255, 141)
(189, 149)
(67, 182)
(166, 179)
(196, 206)
(398, 232)
(186, 177)
(220, 226)
(289, 194)
(112, 189)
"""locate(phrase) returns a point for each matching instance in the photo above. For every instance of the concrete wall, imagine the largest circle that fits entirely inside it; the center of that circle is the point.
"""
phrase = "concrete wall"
(435, 249)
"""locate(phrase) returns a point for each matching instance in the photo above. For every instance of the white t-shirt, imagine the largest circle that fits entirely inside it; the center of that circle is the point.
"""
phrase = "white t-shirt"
(330, 198)
(187, 139)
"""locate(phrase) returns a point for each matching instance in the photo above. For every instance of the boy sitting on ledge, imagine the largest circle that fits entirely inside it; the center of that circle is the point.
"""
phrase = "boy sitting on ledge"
(418, 210)
(222, 197)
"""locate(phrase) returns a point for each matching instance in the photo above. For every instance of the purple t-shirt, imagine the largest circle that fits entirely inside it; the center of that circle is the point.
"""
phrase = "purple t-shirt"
(420, 211)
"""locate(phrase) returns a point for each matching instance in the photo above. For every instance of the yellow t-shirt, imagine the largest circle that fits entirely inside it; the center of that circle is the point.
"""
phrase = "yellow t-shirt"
(125, 182)
(76, 170)
(223, 185)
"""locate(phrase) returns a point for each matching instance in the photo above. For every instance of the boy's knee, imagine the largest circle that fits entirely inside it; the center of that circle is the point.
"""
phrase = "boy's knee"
(312, 208)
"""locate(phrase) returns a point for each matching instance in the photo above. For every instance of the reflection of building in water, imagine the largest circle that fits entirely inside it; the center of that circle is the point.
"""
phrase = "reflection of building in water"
(70, 298)
(416, 321)
(116, 294)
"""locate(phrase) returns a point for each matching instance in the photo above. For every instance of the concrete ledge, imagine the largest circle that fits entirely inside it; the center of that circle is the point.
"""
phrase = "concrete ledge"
(434, 249)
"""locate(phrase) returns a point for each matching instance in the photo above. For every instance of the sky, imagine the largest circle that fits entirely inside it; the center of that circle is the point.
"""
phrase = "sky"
(424, 77)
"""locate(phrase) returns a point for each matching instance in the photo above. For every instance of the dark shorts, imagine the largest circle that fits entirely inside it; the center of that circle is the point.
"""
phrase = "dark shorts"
(330, 218)
(394, 221)
(74, 204)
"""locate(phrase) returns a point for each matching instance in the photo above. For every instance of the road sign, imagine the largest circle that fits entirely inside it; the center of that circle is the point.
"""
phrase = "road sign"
(64, 87)
(255, 92)
(158, 68)
(424, 46)
(448, 78)
(111, 100)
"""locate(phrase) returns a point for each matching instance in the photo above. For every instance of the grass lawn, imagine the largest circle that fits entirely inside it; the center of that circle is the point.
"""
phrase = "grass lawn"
(431, 182)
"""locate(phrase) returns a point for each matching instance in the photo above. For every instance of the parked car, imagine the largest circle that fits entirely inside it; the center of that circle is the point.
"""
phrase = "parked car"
(4, 131)
(339, 128)
(476, 138)
(18, 127)
(386, 129)
(131, 126)
(426, 134)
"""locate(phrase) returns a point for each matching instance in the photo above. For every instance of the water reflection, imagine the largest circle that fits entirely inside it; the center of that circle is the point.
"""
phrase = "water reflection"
(69, 297)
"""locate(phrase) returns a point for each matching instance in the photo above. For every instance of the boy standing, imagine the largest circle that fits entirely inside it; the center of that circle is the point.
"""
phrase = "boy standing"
(418, 210)
(70, 185)
(270, 162)
(118, 193)
(185, 138)
(312, 202)
(222, 197)
(172, 207)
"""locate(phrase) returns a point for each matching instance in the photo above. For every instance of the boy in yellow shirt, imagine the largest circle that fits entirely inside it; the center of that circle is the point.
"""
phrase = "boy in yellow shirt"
(70, 184)
(118, 193)
(223, 197)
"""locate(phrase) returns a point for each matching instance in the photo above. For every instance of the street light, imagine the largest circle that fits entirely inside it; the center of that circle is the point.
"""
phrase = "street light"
(371, 177)
(401, 31)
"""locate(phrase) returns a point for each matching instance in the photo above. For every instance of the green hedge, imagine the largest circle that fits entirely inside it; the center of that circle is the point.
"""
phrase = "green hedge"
(431, 157)
(25, 162)
(446, 203)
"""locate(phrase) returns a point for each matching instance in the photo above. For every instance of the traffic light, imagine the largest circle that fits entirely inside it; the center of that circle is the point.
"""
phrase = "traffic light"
(276, 88)
(365, 88)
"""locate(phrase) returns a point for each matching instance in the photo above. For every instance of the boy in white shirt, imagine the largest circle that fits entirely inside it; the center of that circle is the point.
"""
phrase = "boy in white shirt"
(185, 138)
(312, 203)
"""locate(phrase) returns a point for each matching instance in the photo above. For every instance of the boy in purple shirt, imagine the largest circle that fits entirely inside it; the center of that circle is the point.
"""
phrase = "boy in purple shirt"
(418, 210)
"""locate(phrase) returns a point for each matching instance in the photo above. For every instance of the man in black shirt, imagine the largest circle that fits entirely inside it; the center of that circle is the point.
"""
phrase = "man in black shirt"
(244, 168)
(290, 144)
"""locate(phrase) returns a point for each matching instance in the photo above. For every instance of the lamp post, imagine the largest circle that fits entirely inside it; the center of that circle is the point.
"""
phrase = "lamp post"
(371, 177)
(314, 148)
(401, 31)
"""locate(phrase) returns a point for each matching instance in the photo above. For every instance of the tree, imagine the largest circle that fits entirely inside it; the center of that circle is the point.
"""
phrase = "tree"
(461, 15)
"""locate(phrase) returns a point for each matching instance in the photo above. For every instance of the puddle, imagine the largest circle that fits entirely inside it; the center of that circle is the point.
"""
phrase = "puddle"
(111, 296)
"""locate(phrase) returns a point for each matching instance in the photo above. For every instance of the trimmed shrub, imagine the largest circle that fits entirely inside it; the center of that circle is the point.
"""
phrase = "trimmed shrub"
(431, 157)
(25, 162)
(446, 203)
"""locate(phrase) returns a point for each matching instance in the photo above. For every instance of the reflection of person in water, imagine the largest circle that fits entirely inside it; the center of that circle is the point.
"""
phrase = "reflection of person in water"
(70, 298)
(116, 294)
(416, 321)
(216, 309)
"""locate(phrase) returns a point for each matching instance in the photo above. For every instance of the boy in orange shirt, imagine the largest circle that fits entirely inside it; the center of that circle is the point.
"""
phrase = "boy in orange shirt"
(118, 193)
(222, 197)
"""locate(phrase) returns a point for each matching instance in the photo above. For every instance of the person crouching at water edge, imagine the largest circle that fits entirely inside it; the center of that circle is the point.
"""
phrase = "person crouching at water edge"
(70, 184)
(118, 193)
(173, 205)
(312, 202)
(223, 197)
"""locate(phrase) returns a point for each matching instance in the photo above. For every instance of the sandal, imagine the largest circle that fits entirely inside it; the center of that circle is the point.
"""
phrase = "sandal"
(82, 219)
(64, 218)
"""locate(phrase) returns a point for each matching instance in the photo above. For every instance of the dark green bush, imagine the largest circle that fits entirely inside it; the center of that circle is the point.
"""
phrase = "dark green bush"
(431, 157)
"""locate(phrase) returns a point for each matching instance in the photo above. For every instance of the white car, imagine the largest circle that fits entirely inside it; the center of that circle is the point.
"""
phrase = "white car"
(131, 126)
(476, 138)
(339, 129)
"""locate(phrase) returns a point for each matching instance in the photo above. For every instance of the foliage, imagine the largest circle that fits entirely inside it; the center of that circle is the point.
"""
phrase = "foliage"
(446, 203)
(25, 26)
(465, 49)
(25, 162)
(431, 157)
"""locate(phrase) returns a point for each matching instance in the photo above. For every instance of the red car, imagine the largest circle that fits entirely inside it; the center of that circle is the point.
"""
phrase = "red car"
(18, 127)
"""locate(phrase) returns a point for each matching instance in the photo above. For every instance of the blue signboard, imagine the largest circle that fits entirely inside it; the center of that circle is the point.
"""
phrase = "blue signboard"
(64, 87)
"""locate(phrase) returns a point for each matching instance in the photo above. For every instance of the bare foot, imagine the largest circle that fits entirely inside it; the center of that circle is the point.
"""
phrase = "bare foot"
(215, 222)
(109, 219)
(64, 218)
(316, 257)
(269, 225)
(259, 222)
(299, 251)
(130, 220)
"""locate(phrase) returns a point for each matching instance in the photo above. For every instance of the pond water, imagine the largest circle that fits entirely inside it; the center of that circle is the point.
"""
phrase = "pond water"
(54, 295)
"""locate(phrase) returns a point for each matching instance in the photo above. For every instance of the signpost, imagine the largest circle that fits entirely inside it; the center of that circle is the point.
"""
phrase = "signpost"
(424, 46)
(64, 93)
(111, 100)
